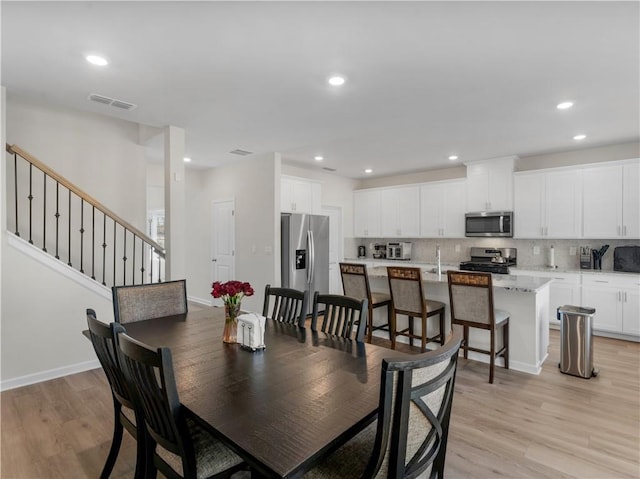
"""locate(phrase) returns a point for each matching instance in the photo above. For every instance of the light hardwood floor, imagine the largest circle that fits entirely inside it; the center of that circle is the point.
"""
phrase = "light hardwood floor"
(522, 426)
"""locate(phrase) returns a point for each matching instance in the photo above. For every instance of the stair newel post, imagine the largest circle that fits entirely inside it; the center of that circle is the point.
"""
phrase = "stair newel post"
(104, 248)
(81, 235)
(93, 242)
(30, 202)
(15, 182)
(44, 212)
(57, 215)
(69, 228)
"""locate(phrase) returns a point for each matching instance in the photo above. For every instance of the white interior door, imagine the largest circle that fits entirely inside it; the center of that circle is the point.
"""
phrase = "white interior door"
(223, 259)
(335, 247)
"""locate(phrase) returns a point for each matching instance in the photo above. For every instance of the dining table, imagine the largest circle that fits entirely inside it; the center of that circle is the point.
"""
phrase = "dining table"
(283, 408)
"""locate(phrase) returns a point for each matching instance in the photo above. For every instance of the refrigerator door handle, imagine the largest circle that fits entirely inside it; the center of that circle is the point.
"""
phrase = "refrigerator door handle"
(311, 256)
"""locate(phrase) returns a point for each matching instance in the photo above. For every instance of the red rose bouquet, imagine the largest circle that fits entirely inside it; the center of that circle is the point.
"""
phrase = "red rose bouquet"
(231, 292)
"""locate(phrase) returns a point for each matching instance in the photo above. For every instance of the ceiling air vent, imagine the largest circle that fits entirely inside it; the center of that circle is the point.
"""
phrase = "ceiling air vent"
(328, 169)
(241, 152)
(105, 100)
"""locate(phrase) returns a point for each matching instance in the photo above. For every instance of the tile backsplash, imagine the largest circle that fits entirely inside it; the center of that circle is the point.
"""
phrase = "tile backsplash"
(453, 251)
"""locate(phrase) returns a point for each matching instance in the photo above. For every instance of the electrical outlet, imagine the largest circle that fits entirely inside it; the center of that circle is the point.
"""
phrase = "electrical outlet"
(573, 251)
(536, 250)
(268, 250)
(457, 248)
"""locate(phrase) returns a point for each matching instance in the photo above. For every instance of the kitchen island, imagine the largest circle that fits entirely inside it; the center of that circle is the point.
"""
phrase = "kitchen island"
(526, 298)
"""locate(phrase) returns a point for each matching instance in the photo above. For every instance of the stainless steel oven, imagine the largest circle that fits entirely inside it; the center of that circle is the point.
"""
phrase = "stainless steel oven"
(489, 223)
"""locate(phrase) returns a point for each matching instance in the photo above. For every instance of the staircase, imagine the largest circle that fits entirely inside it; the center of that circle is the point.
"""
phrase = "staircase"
(51, 213)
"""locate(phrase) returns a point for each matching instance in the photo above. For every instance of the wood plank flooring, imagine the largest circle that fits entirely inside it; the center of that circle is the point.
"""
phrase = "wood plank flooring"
(522, 426)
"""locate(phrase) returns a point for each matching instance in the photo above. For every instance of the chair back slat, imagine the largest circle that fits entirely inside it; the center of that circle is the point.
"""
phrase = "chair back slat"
(150, 374)
(355, 281)
(414, 413)
(407, 294)
(342, 315)
(288, 306)
(471, 298)
(103, 341)
(148, 301)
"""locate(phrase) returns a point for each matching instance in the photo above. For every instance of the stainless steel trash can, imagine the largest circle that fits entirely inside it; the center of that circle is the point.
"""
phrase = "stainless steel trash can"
(576, 341)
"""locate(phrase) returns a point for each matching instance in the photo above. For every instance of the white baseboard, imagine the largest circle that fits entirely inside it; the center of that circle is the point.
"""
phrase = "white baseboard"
(203, 302)
(49, 374)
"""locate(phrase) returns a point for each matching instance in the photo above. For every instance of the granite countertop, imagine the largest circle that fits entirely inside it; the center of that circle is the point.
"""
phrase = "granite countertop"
(522, 284)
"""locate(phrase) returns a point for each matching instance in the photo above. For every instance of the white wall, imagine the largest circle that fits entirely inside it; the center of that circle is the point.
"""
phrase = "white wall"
(98, 154)
(42, 311)
(251, 182)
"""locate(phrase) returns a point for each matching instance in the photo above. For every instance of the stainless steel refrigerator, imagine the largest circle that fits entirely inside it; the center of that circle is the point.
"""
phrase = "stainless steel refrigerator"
(305, 253)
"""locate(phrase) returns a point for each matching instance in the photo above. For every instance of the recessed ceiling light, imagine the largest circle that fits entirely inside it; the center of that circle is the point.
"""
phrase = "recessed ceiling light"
(564, 105)
(453, 157)
(318, 158)
(579, 137)
(97, 60)
(336, 81)
(187, 159)
(368, 170)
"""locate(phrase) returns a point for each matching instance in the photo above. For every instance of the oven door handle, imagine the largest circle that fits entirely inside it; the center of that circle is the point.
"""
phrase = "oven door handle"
(501, 224)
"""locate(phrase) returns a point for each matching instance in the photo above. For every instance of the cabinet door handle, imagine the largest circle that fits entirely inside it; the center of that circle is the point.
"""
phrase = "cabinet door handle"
(624, 230)
(619, 296)
(618, 230)
(541, 231)
(625, 296)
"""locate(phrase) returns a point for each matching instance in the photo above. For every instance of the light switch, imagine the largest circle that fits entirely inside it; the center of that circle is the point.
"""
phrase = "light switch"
(536, 250)
(573, 250)
(268, 250)
(457, 248)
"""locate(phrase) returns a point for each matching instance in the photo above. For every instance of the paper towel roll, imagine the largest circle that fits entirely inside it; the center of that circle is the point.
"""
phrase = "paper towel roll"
(552, 257)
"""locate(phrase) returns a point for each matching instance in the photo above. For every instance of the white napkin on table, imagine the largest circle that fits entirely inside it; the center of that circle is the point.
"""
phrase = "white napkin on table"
(251, 330)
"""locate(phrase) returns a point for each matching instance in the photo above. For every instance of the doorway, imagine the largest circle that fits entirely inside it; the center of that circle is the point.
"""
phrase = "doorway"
(223, 261)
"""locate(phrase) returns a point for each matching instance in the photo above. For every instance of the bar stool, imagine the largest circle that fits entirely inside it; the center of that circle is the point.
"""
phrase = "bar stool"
(355, 283)
(407, 298)
(471, 296)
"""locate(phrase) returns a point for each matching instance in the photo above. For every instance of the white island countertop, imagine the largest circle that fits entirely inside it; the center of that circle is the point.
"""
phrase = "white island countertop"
(508, 282)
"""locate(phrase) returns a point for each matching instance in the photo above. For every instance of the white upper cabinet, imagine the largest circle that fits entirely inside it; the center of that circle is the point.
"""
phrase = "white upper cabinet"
(490, 185)
(400, 212)
(548, 204)
(299, 195)
(610, 199)
(366, 213)
(442, 209)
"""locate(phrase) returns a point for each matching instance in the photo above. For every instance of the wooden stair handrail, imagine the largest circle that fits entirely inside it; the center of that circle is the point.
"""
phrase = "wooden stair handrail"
(14, 149)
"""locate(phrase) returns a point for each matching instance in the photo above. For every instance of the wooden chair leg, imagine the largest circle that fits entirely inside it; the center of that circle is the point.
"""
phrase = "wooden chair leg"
(443, 336)
(392, 329)
(423, 344)
(389, 319)
(466, 341)
(410, 330)
(492, 359)
(116, 441)
(370, 324)
(505, 342)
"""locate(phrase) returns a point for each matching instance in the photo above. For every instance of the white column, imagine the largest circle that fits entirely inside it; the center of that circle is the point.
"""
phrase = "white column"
(174, 202)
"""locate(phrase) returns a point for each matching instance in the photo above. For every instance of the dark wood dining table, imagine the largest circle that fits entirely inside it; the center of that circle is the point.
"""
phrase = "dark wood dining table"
(283, 408)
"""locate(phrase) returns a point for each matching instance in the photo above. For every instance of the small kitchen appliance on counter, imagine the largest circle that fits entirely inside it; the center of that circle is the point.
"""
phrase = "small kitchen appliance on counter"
(399, 250)
(627, 259)
(379, 251)
(491, 260)
(585, 257)
(362, 252)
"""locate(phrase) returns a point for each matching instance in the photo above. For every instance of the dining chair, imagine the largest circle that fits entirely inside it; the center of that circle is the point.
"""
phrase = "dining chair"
(341, 314)
(407, 298)
(175, 444)
(471, 299)
(355, 283)
(409, 438)
(125, 415)
(289, 305)
(147, 301)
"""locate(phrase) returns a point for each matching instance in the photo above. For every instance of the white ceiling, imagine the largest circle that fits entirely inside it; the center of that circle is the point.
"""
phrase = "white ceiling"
(424, 79)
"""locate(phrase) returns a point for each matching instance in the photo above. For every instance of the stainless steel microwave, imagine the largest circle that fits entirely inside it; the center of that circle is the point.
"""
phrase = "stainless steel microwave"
(489, 223)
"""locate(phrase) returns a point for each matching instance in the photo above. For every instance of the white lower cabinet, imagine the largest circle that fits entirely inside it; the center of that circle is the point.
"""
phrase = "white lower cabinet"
(616, 301)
